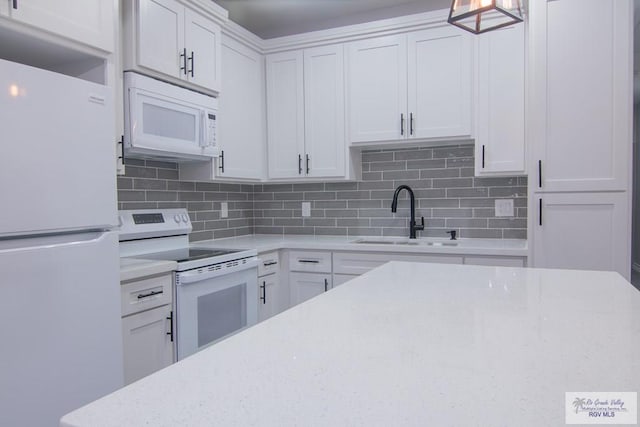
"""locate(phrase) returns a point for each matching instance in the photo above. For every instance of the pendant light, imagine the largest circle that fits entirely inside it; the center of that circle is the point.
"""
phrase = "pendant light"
(480, 16)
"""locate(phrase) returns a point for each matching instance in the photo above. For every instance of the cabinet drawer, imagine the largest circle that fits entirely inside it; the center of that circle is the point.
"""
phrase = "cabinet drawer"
(313, 261)
(361, 262)
(146, 293)
(268, 263)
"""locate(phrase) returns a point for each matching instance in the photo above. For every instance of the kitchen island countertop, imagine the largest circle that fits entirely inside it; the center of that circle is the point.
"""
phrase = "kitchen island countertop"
(405, 344)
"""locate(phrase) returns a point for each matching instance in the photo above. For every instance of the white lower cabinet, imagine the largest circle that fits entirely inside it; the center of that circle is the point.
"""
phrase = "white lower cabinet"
(339, 279)
(147, 326)
(495, 261)
(268, 296)
(305, 286)
(309, 274)
(586, 231)
(356, 263)
(147, 342)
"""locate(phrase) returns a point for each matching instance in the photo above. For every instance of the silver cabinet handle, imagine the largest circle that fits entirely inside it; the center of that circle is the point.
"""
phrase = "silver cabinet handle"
(401, 124)
(264, 292)
(307, 163)
(309, 261)
(191, 58)
(326, 285)
(269, 264)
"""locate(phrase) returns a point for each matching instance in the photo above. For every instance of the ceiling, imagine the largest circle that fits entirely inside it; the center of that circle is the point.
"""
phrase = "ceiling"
(276, 18)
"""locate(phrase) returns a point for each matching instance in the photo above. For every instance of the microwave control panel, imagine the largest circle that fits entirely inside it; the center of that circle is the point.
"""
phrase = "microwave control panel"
(211, 125)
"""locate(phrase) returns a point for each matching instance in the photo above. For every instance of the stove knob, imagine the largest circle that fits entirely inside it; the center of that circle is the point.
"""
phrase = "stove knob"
(176, 218)
(185, 218)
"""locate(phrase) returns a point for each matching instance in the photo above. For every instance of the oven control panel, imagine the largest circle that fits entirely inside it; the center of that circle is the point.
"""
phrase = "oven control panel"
(148, 223)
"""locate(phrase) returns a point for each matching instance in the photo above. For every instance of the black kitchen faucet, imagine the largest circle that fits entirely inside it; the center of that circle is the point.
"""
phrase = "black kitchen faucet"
(394, 205)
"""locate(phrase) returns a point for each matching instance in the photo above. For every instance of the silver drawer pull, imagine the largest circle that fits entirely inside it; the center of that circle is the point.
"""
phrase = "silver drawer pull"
(309, 261)
(150, 294)
(269, 264)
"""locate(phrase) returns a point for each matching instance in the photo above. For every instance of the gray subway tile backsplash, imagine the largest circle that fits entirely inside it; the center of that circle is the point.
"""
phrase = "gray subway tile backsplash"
(448, 195)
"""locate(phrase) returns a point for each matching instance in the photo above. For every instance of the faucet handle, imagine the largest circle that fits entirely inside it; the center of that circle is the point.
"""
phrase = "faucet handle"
(453, 234)
(420, 227)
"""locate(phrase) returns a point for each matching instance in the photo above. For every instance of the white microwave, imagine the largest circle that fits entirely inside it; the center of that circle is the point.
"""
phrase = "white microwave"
(167, 121)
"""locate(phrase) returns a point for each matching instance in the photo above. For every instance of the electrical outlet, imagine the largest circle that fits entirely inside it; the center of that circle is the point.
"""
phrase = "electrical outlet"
(306, 208)
(504, 207)
(224, 210)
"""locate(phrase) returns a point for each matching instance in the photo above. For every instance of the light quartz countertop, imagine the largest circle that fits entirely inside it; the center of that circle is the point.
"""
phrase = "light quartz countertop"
(135, 268)
(269, 242)
(405, 344)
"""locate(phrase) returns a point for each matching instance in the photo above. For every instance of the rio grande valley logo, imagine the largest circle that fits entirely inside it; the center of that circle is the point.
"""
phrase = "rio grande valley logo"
(601, 407)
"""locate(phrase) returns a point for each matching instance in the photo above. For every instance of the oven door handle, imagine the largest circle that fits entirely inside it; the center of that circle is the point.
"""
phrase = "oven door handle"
(187, 277)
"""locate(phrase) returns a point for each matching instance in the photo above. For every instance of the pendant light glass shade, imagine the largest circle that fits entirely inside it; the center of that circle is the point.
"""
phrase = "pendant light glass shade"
(480, 16)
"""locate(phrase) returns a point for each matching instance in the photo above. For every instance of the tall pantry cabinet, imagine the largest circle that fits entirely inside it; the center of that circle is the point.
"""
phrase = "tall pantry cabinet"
(580, 134)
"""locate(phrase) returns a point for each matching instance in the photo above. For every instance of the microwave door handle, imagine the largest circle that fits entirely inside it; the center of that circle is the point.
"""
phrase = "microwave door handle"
(133, 115)
(204, 131)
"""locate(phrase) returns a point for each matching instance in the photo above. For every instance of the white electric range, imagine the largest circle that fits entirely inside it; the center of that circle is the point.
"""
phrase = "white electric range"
(216, 290)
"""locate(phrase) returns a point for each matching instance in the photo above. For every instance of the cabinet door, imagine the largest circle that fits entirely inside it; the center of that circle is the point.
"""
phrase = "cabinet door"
(500, 102)
(324, 111)
(377, 94)
(87, 21)
(203, 44)
(147, 344)
(285, 114)
(241, 112)
(440, 76)
(582, 94)
(582, 231)
(161, 37)
(4, 8)
(305, 286)
(268, 296)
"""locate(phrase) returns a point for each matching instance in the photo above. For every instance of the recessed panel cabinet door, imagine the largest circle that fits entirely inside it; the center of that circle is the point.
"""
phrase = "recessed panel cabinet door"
(285, 114)
(305, 286)
(86, 21)
(377, 94)
(161, 37)
(324, 111)
(202, 39)
(500, 114)
(582, 94)
(268, 296)
(439, 83)
(581, 231)
(241, 111)
(147, 343)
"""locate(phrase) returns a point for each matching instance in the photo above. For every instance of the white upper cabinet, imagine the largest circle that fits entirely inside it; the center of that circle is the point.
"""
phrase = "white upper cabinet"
(305, 113)
(161, 36)
(500, 132)
(90, 22)
(203, 44)
(377, 82)
(241, 127)
(168, 40)
(285, 114)
(440, 91)
(581, 95)
(410, 86)
(324, 111)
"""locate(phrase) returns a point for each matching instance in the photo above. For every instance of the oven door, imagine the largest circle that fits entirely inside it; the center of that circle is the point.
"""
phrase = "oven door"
(211, 308)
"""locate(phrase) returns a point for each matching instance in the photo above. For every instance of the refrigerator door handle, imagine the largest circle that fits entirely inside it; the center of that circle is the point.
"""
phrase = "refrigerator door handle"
(27, 243)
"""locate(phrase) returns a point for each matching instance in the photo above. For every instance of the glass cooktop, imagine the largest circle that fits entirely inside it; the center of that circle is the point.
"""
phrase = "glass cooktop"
(187, 254)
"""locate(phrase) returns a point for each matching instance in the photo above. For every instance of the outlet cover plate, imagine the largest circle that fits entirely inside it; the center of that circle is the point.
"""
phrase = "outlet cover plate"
(504, 207)
(224, 210)
(306, 208)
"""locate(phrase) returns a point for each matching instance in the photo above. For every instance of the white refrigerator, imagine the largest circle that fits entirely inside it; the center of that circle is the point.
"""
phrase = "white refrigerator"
(60, 333)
